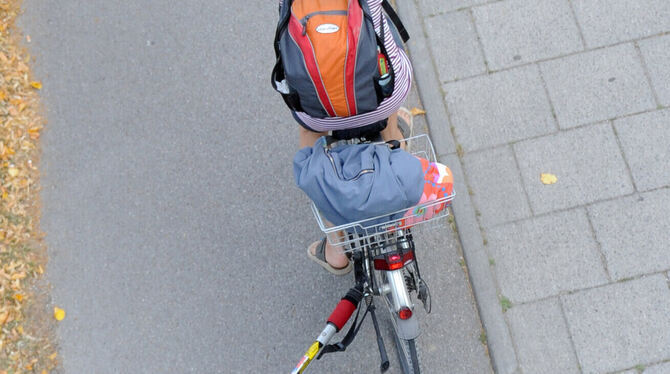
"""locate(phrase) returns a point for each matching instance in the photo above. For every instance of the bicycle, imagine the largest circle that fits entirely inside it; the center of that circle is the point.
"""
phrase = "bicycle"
(386, 267)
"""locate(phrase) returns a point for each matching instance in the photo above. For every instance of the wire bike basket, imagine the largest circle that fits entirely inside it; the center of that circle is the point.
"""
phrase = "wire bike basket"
(370, 229)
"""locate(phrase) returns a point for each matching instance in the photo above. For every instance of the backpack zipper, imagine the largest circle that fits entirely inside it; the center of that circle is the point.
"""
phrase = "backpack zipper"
(360, 173)
(306, 18)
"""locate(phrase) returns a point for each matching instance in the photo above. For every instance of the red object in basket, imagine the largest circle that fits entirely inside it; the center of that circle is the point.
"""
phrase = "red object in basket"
(438, 183)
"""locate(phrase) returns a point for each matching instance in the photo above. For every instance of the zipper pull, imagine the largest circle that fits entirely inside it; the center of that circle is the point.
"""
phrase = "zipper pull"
(304, 25)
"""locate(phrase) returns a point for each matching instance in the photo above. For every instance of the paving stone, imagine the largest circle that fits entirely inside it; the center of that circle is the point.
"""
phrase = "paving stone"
(658, 369)
(496, 184)
(620, 325)
(542, 340)
(634, 234)
(587, 162)
(644, 139)
(606, 22)
(499, 108)
(519, 31)
(456, 51)
(431, 7)
(656, 54)
(499, 338)
(597, 85)
(544, 256)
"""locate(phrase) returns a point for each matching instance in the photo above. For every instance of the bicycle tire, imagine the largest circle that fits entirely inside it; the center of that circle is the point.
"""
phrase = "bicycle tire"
(406, 349)
(408, 355)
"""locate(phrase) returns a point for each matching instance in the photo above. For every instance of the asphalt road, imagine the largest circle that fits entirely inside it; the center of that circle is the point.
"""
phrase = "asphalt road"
(176, 236)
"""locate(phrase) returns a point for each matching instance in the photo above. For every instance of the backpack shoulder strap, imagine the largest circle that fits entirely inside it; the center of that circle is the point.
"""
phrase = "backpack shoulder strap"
(284, 15)
(278, 76)
(388, 8)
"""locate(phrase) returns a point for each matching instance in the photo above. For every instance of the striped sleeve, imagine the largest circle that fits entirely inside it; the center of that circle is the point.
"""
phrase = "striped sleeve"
(403, 81)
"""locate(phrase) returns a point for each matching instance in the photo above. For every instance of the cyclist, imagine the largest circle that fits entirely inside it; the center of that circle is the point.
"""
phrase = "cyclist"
(383, 120)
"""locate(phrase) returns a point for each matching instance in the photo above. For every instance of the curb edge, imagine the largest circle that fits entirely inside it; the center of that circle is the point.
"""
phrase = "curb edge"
(499, 340)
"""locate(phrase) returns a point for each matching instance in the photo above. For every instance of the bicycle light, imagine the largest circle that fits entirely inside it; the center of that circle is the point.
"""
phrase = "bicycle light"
(394, 260)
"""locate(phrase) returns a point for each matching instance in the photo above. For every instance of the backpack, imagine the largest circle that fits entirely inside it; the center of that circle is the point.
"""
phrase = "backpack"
(330, 62)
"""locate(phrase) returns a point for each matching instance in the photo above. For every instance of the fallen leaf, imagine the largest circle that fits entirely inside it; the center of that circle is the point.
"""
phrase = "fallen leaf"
(53, 355)
(21, 67)
(18, 297)
(547, 178)
(416, 111)
(13, 171)
(34, 133)
(36, 85)
(26, 145)
(59, 314)
(28, 38)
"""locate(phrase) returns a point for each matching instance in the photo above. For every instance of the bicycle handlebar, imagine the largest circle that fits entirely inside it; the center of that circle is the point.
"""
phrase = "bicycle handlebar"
(338, 318)
(345, 308)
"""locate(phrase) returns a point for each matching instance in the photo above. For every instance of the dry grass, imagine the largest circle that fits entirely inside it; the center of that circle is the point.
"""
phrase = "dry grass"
(25, 326)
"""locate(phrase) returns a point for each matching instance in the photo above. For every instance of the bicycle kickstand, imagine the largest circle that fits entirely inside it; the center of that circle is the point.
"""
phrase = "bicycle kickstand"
(380, 342)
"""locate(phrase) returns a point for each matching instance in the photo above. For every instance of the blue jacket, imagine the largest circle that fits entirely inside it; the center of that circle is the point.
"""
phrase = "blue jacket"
(354, 182)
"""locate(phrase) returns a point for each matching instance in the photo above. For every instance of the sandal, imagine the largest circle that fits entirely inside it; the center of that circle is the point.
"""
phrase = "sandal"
(320, 258)
(405, 122)
(405, 125)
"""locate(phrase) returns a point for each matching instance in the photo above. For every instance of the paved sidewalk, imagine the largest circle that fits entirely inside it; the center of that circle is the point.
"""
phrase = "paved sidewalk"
(571, 277)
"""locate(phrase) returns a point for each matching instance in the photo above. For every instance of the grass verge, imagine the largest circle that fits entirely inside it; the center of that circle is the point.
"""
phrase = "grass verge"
(25, 326)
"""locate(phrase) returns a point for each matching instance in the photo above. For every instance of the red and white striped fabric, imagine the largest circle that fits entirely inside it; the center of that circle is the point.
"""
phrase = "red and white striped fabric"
(403, 82)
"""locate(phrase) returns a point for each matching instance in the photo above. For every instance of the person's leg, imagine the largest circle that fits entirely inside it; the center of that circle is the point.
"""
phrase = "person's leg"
(334, 255)
(392, 131)
(307, 138)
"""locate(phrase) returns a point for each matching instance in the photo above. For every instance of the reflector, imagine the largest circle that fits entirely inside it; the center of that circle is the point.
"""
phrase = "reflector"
(405, 313)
